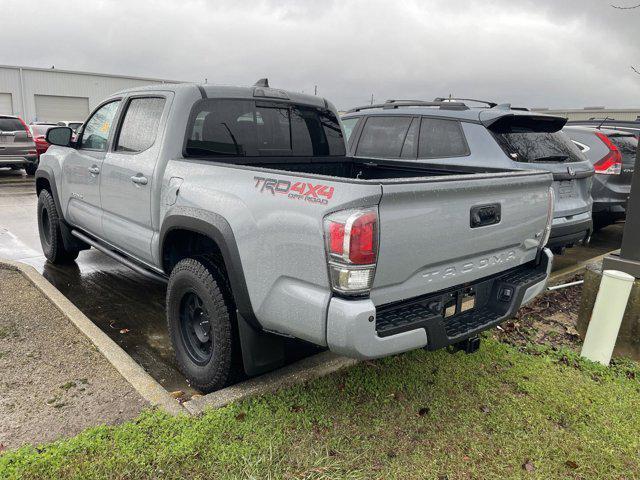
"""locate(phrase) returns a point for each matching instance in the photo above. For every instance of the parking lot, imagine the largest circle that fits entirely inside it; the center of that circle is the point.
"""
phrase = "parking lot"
(130, 307)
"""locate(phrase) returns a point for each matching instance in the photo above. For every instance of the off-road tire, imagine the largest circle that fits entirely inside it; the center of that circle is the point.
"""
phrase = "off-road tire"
(208, 281)
(31, 169)
(50, 233)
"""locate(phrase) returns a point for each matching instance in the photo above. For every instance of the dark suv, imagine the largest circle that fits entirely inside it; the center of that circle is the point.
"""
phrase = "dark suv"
(17, 149)
(613, 155)
(494, 136)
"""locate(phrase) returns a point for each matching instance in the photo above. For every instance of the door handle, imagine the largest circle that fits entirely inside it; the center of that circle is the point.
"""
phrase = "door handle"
(94, 170)
(139, 180)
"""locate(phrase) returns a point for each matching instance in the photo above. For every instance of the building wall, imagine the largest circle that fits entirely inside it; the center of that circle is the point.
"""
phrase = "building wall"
(628, 114)
(94, 87)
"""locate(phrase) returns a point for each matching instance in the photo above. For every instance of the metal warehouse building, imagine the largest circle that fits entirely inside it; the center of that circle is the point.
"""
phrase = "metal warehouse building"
(50, 95)
(595, 113)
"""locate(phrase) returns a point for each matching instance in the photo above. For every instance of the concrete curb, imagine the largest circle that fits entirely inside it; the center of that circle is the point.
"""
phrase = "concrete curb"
(139, 379)
(561, 275)
(310, 368)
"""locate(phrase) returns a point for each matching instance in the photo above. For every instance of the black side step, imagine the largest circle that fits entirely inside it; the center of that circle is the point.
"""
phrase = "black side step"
(120, 258)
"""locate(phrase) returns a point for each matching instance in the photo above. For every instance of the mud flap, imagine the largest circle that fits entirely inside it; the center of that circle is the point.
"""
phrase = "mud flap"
(261, 351)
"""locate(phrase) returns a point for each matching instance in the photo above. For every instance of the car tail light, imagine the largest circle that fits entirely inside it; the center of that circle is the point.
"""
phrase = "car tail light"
(550, 208)
(26, 128)
(611, 163)
(352, 249)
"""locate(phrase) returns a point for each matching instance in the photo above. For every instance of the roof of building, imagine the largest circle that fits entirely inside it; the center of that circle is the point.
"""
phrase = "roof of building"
(77, 72)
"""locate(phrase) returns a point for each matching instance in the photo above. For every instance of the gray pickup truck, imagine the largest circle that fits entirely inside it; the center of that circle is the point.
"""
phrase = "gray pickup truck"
(244, 201)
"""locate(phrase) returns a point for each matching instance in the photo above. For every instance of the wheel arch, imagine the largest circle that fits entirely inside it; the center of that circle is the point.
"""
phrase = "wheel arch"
(188, 231)
(45, 181)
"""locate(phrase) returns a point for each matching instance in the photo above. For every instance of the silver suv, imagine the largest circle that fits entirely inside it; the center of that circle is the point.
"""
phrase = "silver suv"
(17, 149)
(490, 137)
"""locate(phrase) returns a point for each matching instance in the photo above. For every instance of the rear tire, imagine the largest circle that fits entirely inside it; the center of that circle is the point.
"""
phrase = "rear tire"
(50, 233)
(31, 169)
(200, 316)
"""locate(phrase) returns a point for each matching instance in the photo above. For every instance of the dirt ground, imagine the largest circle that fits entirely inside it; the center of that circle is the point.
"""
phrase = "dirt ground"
(550, 320)
(53, 382)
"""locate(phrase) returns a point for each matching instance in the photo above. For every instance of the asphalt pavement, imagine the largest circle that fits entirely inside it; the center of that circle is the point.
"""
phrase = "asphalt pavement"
(130, 307)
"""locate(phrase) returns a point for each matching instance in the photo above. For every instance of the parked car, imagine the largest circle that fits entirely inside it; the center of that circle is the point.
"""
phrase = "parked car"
(450, 133)
(73, 125)
(39, 133)
(246, 204)
(17, 149)
(613, 155)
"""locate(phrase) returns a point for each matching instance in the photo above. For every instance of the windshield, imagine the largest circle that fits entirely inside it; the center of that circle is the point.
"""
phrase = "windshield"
(531, 146)
(246, 128)
(40, 130)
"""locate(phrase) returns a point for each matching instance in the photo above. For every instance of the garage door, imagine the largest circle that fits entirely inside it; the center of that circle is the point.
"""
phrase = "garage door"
(6, 106)
(54, 108)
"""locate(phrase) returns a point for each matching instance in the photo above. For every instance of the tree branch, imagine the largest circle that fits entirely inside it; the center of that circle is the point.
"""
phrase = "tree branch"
(635, 70)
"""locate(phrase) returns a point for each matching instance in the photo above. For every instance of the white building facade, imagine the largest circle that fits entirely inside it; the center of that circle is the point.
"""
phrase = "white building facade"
(52, 95)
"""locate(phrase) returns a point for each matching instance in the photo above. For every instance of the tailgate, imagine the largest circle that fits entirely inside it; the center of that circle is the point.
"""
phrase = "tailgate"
(428, 243)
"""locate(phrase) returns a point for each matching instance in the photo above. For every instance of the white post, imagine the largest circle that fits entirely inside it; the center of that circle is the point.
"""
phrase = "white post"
(606, 318)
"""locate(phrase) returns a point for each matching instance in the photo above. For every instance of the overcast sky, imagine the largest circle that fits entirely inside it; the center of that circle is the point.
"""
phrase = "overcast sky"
(569, 53)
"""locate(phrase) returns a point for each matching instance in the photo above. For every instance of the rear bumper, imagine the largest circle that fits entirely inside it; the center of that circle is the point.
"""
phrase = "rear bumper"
(356, 328)
(570, 230)
(6, 160)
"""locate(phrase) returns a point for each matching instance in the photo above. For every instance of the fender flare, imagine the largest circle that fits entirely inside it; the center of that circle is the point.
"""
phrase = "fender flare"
(49, 177)
(218, 229)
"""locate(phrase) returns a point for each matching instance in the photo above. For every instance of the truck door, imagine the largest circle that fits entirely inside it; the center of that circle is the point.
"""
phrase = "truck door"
(127, 179)
(82, 168)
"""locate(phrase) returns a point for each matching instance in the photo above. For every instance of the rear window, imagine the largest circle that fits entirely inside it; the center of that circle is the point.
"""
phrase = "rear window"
(627, 144)
(248, 128)
(441, 138)
(383, 136)
(10, 125)
(527, 143)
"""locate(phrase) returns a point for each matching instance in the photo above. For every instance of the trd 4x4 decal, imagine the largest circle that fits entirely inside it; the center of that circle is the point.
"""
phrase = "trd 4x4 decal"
(297, 191)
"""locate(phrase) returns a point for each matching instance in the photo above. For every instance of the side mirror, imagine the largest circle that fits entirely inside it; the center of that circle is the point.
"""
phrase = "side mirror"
(60, 136)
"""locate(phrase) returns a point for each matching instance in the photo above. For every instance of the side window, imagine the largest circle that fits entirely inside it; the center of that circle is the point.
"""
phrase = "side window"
(140, 124)
(383, 136)
(349, 124)
(410, 147)
(441, 138)
(95, 134)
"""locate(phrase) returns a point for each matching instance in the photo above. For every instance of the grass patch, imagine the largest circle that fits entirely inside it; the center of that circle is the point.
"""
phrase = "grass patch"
(499, 413)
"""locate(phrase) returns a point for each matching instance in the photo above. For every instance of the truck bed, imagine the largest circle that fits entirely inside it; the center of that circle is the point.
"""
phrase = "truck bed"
(361, 169)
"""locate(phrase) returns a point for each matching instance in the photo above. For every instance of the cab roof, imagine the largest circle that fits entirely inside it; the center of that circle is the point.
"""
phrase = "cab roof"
(254, 92)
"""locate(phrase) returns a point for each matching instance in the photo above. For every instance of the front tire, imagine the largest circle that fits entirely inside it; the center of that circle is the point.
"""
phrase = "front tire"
(31, 169)
(50, 233)
(199, 318)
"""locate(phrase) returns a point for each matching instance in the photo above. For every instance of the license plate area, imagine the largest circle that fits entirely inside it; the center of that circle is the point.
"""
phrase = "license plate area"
(459, 302)
(566, 189)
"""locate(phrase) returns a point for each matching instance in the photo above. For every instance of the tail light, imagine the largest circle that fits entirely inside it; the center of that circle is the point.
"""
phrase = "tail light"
(550, 208)
(352, 249)
(611, 163)
(26, 128)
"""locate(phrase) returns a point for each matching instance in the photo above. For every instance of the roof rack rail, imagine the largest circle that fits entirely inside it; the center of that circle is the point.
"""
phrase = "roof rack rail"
(392, 104)
(456, 99)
